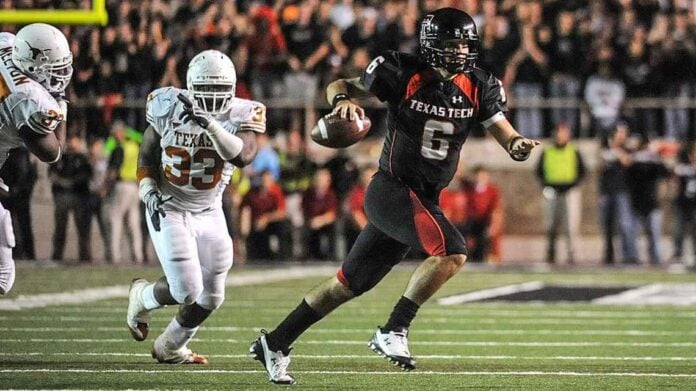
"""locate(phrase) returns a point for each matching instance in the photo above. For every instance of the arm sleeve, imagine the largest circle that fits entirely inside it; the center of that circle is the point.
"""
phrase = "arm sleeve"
(383, 77)
(493, 102)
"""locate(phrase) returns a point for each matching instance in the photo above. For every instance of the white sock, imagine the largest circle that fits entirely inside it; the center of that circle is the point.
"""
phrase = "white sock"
(148, 296)
(177, 336)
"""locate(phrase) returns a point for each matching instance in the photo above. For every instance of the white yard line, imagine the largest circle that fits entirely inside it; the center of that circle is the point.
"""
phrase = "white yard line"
(373, 356)
(380, 373)
(683, 344)
(524, 311)
(369, 330)
(121, 291)
(654, 294)
(448, 320)
(490, 293)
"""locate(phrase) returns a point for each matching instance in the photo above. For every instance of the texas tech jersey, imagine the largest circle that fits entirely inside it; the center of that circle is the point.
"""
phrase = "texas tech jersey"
(23, 102)
(191, 170)
(429, 117)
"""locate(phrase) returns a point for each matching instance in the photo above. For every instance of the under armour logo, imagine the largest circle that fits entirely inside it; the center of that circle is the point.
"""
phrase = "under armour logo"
(457, 99)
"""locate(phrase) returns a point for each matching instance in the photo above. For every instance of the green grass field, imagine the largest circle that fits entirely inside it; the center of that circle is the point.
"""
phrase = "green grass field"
(521, 346)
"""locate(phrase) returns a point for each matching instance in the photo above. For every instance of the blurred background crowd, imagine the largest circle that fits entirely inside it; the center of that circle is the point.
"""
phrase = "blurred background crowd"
(621, 73)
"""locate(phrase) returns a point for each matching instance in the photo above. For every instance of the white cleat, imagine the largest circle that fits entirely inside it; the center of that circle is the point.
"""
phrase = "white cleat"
(137, 318)
(393, 345)
(275, 363)
(183, 355)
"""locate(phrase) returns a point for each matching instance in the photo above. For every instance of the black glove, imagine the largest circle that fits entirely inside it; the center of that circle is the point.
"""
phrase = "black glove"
(193, 112)
(153, 203)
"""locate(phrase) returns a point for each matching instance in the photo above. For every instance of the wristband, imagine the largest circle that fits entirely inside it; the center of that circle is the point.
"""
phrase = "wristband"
(339, 97)
(146, 186)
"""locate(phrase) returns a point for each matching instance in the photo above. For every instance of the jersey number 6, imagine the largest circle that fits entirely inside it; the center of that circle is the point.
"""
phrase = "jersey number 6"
(434, 146)
(179, 172)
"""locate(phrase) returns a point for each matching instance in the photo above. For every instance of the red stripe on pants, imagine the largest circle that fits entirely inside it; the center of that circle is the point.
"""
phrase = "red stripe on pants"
(429, 233)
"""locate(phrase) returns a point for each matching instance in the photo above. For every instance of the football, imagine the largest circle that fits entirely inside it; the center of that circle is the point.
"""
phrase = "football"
(335, 132)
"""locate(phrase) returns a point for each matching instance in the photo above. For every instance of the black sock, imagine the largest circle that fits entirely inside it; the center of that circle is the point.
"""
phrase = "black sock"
(299, 320)
(404, 312)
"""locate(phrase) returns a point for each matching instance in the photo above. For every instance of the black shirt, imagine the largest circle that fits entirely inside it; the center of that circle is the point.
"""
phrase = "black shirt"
(429, 118)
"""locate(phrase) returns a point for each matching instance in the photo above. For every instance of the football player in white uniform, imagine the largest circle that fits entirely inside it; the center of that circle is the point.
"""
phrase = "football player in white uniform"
(35, 69)
(195, 138)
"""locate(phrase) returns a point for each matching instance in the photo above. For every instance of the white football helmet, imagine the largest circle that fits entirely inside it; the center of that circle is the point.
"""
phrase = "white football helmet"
(42, 52)
(211, 78)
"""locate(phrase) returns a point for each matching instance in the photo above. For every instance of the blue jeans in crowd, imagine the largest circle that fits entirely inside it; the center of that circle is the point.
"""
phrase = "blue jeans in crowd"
(615, 211)
(652, 224)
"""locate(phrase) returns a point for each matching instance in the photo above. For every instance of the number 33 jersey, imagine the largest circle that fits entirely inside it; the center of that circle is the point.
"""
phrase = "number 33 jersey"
(429, 117)
(24, 103)
(191, 171)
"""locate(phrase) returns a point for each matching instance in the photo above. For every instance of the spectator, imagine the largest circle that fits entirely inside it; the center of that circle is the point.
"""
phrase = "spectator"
(604, 93)
(638, 73)
(614, 198)
(307, 48)
(264, 217)
(484, 215)
(676, 53)
(296, 172)
(320, 208)
(526, 73)
(566, 49)
(19, 174)
(685, 201)
(266, 159)
(123, 202)
(644, 174)
(98, 193)
(560, 169)
(70, 187)
(357, 219)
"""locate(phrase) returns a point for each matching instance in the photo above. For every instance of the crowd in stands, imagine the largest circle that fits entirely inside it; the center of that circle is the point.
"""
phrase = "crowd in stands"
(602, 51)
(599, 51)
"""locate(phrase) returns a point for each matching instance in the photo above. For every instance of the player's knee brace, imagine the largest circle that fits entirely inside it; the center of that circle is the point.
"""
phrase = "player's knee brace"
(186, 294)
(210, 301)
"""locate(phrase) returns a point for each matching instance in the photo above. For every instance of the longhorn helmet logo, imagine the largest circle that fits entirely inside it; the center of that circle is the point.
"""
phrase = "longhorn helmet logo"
(37, 54)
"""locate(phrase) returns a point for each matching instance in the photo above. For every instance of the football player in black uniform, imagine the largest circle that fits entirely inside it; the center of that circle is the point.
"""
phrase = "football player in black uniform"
(434, 100)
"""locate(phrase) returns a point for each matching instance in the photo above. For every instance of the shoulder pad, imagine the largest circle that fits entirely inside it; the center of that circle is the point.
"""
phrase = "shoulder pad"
(161, 101)
(7, 39)
(250, 114)
(160, 104)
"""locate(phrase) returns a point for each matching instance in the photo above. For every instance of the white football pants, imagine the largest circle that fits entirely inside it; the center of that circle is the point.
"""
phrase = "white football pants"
(195, 251)
(7, 242)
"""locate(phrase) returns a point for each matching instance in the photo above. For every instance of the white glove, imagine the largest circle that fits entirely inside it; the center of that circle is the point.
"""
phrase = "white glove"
(521, 147)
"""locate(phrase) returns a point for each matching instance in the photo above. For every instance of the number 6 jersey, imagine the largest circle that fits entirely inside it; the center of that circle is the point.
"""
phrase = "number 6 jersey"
(429, 117)
(191, 170)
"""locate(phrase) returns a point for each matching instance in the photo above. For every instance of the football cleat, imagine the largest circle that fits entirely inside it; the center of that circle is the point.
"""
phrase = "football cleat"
(275, 363)
(183, 355)
(393, 345)
(137, 317)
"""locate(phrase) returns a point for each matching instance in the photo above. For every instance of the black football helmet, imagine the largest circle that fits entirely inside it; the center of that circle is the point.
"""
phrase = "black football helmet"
(442, 31)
